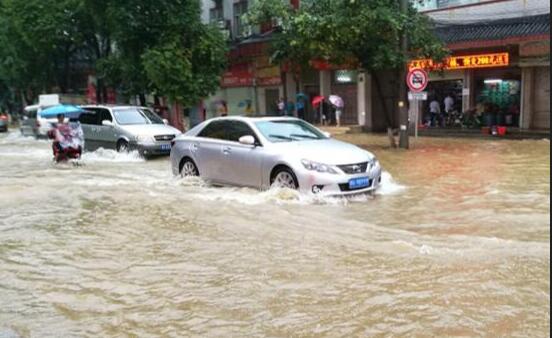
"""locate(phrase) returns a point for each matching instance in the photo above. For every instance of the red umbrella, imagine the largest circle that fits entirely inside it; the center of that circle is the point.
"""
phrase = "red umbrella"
(316, 101)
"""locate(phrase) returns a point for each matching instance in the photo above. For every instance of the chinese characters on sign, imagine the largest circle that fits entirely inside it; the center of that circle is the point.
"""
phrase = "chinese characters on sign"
(464, 62)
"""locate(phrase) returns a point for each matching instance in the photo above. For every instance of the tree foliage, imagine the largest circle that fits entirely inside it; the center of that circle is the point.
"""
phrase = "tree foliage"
(363, 31)
(139, 46)
(163, 47)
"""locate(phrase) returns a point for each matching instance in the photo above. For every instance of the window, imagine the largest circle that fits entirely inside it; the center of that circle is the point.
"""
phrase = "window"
(237, 129)
(215, 129)
(136, 116)
(288, 130)
(227, 130)
(105, 115)
(90, 117)
(240, 9)
(426, 5)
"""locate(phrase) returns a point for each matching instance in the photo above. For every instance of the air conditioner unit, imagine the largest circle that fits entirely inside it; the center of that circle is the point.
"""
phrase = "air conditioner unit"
(276, 22)
(222, 24)
(247, 31)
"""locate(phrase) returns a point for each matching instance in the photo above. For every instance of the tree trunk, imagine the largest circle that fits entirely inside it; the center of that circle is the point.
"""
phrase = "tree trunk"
(388, 120)
(142, 98)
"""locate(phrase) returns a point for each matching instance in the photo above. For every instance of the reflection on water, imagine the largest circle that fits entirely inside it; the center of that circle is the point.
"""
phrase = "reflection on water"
(456, 243)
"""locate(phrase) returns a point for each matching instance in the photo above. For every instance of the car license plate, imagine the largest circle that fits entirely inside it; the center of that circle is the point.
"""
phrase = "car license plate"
(165, 147)
(360, 182)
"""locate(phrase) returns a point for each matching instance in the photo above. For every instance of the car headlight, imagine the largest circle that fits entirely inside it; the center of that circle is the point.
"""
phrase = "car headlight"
(145, 139)
(373, 163)
(320, 167)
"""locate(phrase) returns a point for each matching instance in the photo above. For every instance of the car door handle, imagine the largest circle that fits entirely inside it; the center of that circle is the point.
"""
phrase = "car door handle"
(226, 150)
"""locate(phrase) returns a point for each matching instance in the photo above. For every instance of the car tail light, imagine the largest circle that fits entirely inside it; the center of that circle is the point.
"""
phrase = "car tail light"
(4, 117)
(38, 124)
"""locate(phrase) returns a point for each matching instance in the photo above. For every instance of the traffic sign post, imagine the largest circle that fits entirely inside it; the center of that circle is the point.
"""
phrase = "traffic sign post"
(417, 80)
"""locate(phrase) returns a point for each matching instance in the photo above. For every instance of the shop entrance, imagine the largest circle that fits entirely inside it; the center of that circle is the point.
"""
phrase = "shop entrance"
(271, 97)
(497, 95)
(438, 91)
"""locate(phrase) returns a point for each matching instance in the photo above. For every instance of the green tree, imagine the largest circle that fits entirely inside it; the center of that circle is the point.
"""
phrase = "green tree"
(163, 47)
(40, 40)
(362, 32)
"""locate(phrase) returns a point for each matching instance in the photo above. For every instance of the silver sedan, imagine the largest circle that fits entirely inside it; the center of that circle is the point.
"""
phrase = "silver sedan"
(262, 152)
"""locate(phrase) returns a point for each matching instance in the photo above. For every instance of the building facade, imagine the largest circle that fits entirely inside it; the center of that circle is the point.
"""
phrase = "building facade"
(500, 58)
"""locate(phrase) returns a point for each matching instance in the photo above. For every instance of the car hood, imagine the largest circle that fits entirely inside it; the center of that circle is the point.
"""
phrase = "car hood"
(150, 129)
(327, 151)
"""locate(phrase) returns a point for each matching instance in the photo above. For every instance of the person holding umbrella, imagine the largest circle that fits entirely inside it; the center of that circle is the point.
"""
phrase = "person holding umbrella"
(338, 103)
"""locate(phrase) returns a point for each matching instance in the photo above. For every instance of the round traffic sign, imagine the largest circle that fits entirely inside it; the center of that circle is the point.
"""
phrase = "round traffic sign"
(417, 79)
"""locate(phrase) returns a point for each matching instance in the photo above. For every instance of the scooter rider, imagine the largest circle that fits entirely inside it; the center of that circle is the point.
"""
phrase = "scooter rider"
(68, 139)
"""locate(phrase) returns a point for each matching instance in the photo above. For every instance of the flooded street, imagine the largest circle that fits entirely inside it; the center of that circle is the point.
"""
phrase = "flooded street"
(456, 243)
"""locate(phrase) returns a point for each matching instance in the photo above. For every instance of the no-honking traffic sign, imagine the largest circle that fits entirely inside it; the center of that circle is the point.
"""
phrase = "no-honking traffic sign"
(417, 80)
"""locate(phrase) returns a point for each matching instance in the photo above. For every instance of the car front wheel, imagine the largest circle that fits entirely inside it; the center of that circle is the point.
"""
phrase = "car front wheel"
(188, 168)
(122, 146)
(284, 178)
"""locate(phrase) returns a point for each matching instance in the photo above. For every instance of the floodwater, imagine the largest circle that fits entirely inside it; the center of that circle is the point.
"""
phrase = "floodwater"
(456, 243)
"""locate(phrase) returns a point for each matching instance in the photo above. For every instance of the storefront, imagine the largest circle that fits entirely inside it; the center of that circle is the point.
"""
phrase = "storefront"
(489, 84)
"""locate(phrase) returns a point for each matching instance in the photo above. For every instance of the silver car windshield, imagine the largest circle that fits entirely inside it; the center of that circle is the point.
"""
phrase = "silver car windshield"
(126, 116)
(288, 130)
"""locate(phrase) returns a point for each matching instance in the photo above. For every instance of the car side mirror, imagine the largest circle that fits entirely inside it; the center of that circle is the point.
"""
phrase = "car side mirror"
(166, 122)
(328, 135)
(247, 140)
(107, 123)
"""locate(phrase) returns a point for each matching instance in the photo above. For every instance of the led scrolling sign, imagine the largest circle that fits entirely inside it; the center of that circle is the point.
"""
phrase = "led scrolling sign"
(464, 62)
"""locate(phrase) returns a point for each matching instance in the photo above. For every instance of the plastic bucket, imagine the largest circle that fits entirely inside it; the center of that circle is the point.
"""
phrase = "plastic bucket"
(501, 130)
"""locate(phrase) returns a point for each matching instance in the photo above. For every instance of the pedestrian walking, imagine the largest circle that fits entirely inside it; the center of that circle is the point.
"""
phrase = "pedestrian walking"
(300, 105)
(434, 111)
(281, 106)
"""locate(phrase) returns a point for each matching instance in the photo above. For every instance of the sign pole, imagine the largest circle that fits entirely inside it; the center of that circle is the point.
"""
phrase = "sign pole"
(416, 118)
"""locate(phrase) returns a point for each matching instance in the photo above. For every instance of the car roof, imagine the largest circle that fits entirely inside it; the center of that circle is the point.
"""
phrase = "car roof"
(256, 118)
(111, 106)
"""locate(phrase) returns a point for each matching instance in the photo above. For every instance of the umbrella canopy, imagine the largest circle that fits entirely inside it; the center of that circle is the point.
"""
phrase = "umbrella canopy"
(301, 96)
(316, 100)
(336, 101)
(68, 110)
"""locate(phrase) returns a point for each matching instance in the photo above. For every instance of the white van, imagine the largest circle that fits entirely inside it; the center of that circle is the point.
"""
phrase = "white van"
(32, 124)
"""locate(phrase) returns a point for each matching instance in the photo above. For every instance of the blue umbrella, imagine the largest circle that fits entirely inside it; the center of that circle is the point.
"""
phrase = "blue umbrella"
(69, 111)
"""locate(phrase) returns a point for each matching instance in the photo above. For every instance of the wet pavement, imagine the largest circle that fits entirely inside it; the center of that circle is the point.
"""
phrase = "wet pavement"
(455, 243)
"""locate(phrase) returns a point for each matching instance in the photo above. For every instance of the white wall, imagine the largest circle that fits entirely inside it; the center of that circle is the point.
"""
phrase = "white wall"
(492, 11)
(205, 6)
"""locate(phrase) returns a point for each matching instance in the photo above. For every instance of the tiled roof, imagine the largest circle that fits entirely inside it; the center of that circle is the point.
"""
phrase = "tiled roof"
(494, 30)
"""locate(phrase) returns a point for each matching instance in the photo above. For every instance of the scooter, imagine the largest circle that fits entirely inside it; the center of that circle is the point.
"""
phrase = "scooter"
(64, 154)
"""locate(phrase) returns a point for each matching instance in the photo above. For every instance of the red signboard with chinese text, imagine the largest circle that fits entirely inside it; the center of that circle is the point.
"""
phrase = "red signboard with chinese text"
(464, 62)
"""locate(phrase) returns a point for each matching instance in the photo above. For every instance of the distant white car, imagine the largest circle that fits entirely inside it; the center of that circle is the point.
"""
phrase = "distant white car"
(32, 124)
(266, 151)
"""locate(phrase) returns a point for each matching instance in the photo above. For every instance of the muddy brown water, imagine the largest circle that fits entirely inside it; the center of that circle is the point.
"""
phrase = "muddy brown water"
(456, 243)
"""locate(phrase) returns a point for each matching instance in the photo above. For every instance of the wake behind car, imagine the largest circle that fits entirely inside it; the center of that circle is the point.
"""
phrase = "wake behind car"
(126, 128)
(266, 151)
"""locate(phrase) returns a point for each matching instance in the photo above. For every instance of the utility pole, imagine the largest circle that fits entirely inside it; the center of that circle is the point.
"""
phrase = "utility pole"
(403, 106)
